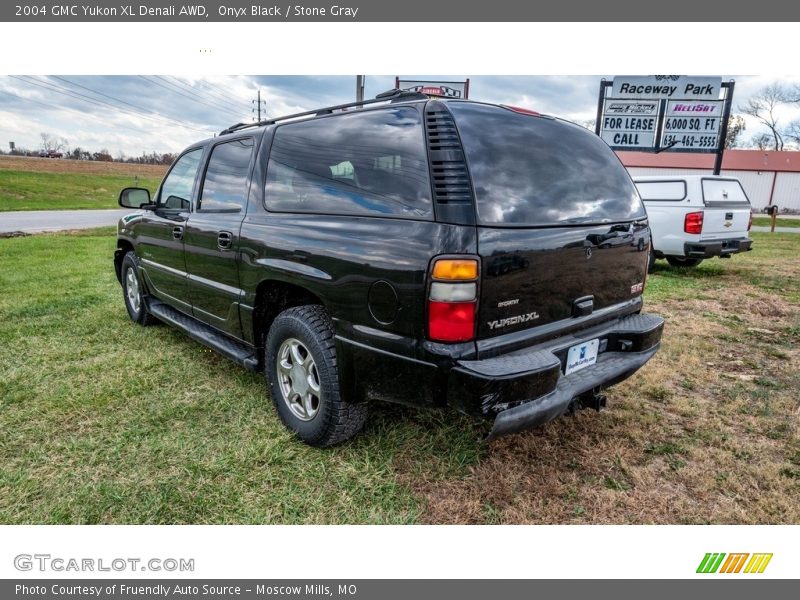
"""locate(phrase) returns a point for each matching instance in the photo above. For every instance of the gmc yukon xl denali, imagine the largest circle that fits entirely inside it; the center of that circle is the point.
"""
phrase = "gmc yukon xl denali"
(436, 253)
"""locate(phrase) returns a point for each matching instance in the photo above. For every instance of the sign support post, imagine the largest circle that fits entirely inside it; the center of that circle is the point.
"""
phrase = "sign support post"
(726, 116)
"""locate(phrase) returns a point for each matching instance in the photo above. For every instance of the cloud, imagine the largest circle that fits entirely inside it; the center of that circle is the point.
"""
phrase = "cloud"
(136, 114)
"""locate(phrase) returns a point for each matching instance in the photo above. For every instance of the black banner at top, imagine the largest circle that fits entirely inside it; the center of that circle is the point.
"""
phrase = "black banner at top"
(402, 11)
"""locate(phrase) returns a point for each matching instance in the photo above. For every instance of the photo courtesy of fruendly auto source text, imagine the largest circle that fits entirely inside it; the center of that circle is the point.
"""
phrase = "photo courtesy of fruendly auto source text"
(279, 281)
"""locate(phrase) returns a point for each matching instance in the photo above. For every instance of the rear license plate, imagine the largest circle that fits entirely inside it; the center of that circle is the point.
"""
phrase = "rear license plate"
(581, 356)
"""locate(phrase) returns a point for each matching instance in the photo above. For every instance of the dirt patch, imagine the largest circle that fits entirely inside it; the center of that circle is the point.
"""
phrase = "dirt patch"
(707, 432)
(63, 165)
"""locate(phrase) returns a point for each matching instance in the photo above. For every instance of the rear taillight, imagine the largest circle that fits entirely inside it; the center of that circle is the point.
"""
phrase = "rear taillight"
(693, 222)
(750, 222)
(452, 300)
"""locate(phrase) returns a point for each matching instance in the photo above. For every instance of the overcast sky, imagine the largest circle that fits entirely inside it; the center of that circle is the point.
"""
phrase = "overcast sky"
(136, 114)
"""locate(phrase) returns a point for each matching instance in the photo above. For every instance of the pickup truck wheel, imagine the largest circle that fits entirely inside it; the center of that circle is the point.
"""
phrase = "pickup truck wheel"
(302, 376)
(133, 291)
(680, 261)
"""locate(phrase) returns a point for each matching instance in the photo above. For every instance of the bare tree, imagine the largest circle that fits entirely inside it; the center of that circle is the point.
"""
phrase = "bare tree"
(793, 94)
(762, 107)
(50, 143)
(793, 132)
(736, 126)
(762, 141)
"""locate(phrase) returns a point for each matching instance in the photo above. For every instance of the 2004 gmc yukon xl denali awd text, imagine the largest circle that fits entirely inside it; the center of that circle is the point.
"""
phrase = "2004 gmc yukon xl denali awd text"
(428, 252)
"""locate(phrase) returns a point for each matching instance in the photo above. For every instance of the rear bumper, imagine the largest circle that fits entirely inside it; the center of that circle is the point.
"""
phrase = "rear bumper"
(711, 248)
(528, 388)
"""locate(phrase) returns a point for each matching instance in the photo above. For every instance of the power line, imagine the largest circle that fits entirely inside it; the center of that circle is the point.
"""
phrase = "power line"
(191, 97)
(177, 83)
(83, 114)
(51, 87)
(145, 111)
(211, 90)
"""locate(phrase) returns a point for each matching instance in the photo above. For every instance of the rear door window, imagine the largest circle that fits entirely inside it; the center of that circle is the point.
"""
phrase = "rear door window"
(364, 163)
(529, 171)
(225, 184)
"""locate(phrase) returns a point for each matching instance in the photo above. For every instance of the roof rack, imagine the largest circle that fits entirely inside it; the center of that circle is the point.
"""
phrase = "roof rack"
(388, 96)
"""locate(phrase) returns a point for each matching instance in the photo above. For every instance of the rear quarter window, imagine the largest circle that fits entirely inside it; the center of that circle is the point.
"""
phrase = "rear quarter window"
(371, 163)
(529, 171)
(662, 190)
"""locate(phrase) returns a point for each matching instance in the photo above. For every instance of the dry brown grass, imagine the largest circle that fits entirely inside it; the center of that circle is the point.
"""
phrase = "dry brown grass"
(63, 165)
(705, 433)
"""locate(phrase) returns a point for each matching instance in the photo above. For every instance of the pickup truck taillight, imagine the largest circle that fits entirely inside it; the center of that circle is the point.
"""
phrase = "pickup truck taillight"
(750, 222)
(693, 222)
(452, 300)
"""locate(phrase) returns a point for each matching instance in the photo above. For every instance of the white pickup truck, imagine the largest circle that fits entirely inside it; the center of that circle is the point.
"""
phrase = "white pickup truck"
(693, 217)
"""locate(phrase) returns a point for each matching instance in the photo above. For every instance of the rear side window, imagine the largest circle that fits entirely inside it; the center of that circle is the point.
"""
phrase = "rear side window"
(225, 183)
(723, 191)
(662, 190)
(530, 170)
(364, 163)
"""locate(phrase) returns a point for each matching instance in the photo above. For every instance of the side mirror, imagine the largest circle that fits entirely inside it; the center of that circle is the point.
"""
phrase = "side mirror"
(134, 197)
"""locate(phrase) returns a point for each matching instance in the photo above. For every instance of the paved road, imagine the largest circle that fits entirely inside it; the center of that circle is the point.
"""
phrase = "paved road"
(34, 221)
(777, 229)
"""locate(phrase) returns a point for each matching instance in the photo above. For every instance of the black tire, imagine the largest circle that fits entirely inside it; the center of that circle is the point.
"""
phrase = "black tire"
(334, 419)
(651, 261)
(130, 267)
(680, 261)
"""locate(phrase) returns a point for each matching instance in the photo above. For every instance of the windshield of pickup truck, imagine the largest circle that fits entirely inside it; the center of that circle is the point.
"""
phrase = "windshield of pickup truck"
(529, 170)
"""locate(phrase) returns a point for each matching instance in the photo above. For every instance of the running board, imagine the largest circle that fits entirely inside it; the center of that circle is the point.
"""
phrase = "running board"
(234, 350)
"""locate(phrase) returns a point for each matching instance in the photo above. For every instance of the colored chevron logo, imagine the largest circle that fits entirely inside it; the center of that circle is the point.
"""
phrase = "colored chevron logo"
(734, 563)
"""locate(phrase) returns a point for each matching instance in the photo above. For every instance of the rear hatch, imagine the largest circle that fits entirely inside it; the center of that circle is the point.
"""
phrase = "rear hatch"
(561, 228)
(727, 209)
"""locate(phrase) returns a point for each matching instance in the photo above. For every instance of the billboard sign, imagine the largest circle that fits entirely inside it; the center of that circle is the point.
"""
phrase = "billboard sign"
(438, 89)
(692, 124)
(664, 112)
(629, 123)
(670, 87)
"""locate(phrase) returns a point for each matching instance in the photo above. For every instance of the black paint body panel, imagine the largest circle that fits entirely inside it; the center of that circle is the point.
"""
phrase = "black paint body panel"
(371, 274)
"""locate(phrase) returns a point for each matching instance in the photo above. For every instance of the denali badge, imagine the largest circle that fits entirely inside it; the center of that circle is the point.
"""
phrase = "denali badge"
(531, 316)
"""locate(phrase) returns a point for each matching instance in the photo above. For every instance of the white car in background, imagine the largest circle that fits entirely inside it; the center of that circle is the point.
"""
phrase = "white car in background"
(694, 217)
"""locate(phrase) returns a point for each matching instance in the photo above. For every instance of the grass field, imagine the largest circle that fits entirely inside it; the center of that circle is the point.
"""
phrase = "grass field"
(48, 184)
(102, 421)
(779, 222)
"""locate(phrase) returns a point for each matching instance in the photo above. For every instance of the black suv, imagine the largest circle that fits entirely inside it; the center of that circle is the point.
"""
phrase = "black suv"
(428, 252)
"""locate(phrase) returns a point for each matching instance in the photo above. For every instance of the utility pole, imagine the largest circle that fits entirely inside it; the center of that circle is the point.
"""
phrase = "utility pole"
(257, 108)
(360, 87)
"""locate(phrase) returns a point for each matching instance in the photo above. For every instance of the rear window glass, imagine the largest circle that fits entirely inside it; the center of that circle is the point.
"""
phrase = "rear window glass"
(365, 163)
(538, 171)
(662, 190)
(723, 190)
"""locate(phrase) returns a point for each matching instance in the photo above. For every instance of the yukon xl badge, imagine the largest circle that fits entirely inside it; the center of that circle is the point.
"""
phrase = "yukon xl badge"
(500, 323)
